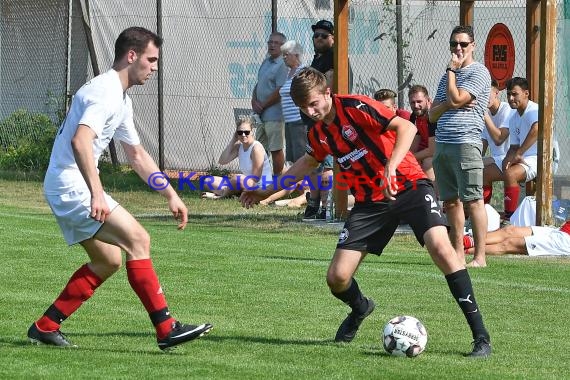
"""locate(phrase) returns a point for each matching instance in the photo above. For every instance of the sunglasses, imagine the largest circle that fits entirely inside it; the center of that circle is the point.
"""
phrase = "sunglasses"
(243, 133)
(321, 35)
(454, 44)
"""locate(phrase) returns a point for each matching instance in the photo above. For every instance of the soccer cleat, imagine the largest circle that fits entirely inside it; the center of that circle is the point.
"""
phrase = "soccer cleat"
(312, 211)
(481, 348)
(182, 333)
(52, 338)
(348, 328)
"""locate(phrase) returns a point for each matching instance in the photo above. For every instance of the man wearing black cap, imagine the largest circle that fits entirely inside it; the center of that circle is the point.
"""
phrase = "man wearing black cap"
(323, 43)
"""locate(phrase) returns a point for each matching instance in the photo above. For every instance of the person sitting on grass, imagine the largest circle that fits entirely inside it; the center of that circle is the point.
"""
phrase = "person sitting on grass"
(531, 241)
(253, 163)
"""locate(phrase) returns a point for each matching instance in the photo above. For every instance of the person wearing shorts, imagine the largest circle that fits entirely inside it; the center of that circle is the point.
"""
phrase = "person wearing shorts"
(266, 101)
(520, 163)
(372, 148)
(459, 107)
(531, 241)
(102, 110)
(495, 137)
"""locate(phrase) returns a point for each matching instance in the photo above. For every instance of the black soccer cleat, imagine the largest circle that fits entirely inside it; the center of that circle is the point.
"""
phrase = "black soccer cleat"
(52, 338)
(348, 328)
(481, 348)
(182, 333)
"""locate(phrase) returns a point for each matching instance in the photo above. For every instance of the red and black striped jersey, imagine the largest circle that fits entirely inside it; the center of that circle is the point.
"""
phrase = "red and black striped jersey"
(361, 145)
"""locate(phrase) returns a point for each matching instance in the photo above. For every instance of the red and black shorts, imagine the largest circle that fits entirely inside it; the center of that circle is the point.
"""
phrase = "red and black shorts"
(370, 226)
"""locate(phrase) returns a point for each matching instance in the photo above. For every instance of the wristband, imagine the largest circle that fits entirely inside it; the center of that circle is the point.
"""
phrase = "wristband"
(450, 69)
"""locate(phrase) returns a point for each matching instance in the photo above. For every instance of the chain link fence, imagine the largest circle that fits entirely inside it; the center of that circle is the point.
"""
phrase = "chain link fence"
(213, 49)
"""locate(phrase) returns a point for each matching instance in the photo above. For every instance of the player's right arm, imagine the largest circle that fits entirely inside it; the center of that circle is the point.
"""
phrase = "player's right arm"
(498, 135)
(301, 168)
(82, 145)
(231, 151)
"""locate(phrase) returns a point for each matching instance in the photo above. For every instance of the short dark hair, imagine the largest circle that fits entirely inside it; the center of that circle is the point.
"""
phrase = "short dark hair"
(517, 81)
(416, 88)
(135, 38)
(467, 29)
(383, 94)
(494, 83)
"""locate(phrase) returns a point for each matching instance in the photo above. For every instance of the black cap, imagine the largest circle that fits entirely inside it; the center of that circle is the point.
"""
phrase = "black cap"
(324, 24)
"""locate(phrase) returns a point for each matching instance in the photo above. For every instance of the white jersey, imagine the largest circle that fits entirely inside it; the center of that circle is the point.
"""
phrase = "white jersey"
(102, 105)
(501, 120)
(520, 126)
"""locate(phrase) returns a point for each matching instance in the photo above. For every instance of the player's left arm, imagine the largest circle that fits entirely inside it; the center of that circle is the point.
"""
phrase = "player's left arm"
(143, 164)
(405, 133)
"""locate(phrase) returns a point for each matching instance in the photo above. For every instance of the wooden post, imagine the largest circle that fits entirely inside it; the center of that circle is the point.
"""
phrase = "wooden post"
(533, 21)
(546, 95)
(466, 12)
(340, 85)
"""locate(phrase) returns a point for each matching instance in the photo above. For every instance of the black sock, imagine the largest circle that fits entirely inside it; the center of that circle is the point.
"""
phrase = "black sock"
(461, 289)
(353, 297)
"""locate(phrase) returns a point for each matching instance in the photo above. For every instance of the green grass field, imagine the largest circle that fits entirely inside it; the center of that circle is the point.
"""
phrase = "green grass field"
(259, 277)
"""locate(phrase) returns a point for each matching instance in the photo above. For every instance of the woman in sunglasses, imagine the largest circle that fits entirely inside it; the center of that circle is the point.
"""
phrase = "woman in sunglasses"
(254, 166)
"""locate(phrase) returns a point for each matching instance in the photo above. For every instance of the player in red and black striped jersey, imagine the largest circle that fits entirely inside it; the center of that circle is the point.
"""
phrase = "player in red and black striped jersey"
(371, 144)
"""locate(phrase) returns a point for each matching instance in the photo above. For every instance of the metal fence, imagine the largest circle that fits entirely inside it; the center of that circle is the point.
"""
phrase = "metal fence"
(213, 49)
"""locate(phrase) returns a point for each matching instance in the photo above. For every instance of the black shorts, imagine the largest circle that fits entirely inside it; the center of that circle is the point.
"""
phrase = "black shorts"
(370, 226)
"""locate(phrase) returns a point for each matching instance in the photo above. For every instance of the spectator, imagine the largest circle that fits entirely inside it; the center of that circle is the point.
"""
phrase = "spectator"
(265, 101)
(388, 98)
(87, 215)
(295, 128)
(323, 61)
(253, 163)
(459, 107)
(495, 136)
(531, 241)
(370, 144)
(520, 163)
(423, 146)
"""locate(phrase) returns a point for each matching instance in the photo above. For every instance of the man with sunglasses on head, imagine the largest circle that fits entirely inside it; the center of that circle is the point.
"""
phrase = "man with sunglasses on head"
(459, 108)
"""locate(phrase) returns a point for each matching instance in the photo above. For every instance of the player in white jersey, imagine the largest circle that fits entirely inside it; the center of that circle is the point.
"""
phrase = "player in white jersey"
(101, 110)
(520, 163)
(495, 136)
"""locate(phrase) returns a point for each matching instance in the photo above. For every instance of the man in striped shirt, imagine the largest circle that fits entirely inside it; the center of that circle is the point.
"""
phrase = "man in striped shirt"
(459, 107)
(372, 147)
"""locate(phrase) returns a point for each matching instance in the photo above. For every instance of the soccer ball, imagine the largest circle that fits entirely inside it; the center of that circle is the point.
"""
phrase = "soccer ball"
(404, 336)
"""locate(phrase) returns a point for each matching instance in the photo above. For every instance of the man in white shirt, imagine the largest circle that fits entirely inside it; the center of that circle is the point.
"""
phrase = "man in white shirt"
(495, 136)
(102, 110)
(520, 163)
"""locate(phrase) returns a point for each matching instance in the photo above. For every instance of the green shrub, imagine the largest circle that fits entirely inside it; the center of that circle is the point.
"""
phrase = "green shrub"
(26, 140)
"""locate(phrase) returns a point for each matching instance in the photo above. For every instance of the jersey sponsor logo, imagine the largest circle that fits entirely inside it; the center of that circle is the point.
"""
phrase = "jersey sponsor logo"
(346, 160)
(349, 133)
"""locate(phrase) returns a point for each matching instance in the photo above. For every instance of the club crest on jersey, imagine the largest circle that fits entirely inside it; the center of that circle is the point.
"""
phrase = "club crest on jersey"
(349, 133)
